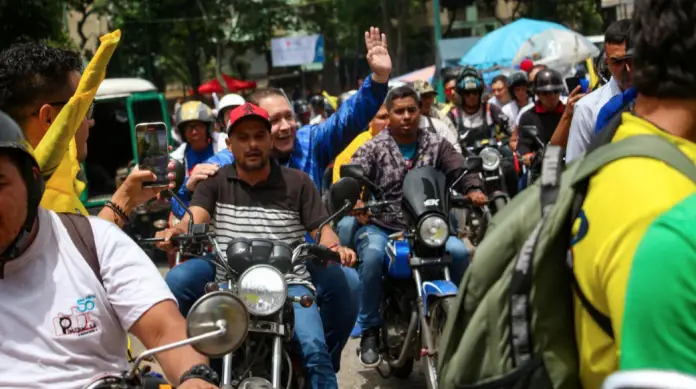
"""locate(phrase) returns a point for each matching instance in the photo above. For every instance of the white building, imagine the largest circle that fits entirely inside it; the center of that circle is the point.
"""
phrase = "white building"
(618, 9)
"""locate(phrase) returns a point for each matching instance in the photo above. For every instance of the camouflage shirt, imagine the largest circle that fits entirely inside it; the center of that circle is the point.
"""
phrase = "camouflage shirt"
(384, 165)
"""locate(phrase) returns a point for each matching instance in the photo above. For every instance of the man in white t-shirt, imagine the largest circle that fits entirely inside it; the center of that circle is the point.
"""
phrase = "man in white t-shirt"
(61, 324)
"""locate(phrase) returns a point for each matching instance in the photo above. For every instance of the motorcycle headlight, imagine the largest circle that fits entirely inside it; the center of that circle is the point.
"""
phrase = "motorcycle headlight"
(263, 290)
(433, 231)
(491, 158)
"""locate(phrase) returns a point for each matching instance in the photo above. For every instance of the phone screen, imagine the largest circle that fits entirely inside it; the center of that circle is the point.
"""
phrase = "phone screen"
(153, 151)
(572, 83)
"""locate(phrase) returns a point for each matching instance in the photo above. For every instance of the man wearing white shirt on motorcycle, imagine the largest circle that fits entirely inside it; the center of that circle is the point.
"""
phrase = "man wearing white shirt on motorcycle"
(65, 320)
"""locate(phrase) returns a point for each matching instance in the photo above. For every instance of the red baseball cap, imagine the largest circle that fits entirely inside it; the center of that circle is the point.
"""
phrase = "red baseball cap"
(526, 65)
(247, 111)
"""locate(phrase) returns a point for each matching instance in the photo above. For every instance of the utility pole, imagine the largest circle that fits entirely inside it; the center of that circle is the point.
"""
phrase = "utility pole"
(437, 35)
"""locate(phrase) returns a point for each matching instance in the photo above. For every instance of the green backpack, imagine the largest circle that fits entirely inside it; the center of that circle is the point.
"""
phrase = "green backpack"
(512, 323)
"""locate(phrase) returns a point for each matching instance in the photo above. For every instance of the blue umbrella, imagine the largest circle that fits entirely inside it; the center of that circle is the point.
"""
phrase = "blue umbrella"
(500, 46)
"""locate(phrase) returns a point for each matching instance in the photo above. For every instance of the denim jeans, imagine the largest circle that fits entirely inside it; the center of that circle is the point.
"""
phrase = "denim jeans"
(346, 229)
(338, 291)
(309, 335)
(371, 242)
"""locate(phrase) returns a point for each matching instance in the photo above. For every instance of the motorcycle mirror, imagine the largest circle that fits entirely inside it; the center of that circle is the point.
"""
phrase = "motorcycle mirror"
(530, 131)
(208, 312)
(180, 173)
(474, 164)
(353, 171)
(345, 190)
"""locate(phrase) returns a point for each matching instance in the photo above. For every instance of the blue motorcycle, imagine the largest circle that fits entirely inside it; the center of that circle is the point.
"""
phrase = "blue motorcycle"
(418, 291)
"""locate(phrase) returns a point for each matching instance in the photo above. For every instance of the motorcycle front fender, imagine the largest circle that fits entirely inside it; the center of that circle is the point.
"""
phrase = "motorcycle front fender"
(437, 289)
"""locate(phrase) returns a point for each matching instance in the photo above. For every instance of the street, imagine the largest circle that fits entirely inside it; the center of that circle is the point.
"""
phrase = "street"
(352, 374)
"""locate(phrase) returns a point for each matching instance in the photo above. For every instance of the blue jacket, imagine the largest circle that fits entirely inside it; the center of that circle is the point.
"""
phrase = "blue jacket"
(615, 105)
(316, 145)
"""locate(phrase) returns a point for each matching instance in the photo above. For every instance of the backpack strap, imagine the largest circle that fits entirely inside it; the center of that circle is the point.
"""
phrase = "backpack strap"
(82, 236)
(646, 146)
(522, 277)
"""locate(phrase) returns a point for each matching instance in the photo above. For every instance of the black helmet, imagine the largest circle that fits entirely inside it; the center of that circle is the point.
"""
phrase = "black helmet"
(517, 79)
(14, 144)
(317, 101)
(469, 80)
(300, 106)
(548, 80)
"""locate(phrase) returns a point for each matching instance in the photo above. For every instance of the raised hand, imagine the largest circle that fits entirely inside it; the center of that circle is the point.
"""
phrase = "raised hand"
(378, 55)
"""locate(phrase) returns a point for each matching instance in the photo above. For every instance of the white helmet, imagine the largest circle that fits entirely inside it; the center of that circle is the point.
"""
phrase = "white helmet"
(229, 100)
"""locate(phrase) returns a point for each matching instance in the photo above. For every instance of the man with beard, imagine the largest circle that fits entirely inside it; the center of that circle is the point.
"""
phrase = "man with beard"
(240, 200)
(310, 149)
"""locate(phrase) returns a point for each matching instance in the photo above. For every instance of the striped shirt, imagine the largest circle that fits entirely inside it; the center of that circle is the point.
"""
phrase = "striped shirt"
(282, 208)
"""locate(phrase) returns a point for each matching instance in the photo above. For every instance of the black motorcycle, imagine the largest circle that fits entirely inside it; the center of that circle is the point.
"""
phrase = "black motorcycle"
(254, 271)
(418, 291)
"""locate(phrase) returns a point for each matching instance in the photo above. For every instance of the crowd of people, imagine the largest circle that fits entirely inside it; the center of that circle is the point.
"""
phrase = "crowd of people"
(259, 165)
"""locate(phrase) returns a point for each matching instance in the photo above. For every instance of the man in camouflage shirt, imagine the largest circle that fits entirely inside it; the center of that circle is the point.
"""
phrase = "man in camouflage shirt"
(386, 159)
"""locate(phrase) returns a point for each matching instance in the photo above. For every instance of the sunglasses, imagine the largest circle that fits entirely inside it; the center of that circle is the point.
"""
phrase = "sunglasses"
(90, 111)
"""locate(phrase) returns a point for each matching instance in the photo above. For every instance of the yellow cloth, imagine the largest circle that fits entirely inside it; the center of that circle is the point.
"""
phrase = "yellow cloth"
(447, 108)
(593, 73)
(333, 100)
(624, 198)
(348, 152)
(57, 152)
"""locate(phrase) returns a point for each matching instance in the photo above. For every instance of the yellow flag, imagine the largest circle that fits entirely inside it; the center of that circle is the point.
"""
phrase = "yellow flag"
(333, 100)
(57, 152)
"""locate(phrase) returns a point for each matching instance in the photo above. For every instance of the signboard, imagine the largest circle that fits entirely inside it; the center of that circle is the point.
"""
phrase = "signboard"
(299, 50)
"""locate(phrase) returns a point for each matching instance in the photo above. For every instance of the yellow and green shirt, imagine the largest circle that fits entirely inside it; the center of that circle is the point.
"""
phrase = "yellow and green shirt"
(624, 199)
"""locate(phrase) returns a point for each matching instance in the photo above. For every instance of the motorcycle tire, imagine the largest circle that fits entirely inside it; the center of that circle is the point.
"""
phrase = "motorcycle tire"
(404, 371)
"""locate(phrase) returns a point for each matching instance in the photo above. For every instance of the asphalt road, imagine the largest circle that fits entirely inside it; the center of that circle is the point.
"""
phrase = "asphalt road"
(352, 374)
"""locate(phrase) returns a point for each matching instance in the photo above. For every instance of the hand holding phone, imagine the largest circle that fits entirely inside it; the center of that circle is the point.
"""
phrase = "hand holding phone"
(153, 151)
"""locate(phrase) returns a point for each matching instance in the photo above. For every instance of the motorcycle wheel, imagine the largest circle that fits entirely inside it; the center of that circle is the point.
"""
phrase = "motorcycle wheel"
(404, 371)
(439, 310)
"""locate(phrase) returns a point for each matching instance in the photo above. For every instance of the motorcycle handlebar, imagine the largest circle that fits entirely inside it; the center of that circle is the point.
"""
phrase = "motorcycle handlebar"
(180, 238)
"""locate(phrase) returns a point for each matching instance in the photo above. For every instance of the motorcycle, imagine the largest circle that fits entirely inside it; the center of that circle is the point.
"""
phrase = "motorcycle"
(533, 171)
(495, 153)
(216, 325)
(418, 292)
(254, 272)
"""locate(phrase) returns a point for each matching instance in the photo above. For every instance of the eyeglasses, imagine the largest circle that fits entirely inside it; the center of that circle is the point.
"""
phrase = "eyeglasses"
(90, 111)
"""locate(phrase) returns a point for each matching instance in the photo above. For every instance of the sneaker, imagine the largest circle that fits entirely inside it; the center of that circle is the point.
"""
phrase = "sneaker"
(369, 348)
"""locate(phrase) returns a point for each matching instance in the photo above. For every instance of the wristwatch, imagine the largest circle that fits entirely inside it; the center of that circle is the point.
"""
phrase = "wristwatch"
(202, 372)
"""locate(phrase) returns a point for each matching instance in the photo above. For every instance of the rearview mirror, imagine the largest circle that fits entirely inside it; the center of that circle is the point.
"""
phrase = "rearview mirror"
(179, 174)
(353, 171)
(530, 131)
(474, 164)
(214, 308)
(345, 189)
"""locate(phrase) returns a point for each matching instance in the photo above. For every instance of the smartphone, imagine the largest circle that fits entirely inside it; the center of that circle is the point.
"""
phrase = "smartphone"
(572, 83)
(153, 151)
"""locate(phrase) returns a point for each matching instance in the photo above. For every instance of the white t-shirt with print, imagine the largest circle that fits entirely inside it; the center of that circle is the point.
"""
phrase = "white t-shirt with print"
(59, 326)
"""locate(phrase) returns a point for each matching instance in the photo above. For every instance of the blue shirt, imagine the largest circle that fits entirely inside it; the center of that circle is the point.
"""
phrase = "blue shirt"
(317, 145)
(192, 159)
(615, 105)
(409, 150)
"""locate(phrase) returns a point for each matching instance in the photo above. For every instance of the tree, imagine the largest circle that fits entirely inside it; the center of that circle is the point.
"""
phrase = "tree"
(86, 8)
(31, 20)
(580, 15)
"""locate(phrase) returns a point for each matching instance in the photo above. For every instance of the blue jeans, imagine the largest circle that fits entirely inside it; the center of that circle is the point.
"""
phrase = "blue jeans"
(346, 229)
(371, 242)
(309, 334)
(338, 291)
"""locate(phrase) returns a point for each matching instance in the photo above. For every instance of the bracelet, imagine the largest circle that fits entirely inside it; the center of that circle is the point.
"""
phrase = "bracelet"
(117, 210)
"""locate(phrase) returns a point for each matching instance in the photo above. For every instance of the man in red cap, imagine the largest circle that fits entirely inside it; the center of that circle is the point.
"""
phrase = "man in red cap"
(257, 198)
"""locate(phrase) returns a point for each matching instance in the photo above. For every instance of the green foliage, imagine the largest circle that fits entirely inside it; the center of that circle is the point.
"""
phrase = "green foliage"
(35, 20)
